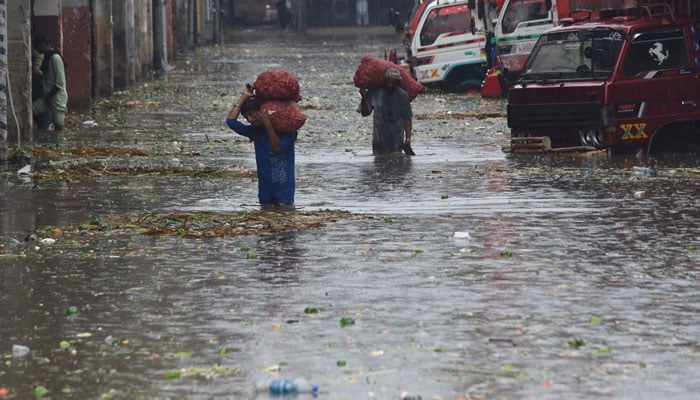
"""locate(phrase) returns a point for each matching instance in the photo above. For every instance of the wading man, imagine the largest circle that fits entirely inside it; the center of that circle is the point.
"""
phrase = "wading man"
(392, 125)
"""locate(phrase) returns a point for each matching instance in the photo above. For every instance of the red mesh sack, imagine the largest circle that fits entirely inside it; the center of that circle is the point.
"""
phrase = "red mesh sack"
(277, 85)
(371, 71)
(285, 115)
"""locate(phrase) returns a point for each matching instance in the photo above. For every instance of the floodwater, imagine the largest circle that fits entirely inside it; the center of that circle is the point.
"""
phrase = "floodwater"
(469, 273)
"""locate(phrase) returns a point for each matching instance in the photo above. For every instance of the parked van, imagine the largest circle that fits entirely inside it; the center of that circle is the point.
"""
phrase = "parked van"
(628, 81)
(448, 47)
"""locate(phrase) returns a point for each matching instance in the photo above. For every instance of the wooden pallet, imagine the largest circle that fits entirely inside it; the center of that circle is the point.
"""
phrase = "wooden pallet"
(531, 144)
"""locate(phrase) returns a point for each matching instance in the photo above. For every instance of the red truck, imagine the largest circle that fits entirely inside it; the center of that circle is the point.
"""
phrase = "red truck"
(624, 82)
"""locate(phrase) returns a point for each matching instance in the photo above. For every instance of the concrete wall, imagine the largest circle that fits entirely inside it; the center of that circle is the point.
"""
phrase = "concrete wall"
(160, 35)
(180, 24)
(19, 68)
(204, 25)
(144, 26)
(3, 85)
(170, 27)
(102, 43)
(77, 52)
(124, 34)
(47, 22)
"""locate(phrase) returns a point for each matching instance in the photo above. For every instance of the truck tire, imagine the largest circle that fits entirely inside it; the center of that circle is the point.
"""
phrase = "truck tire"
(677, 139)
(463, 79)
(682, 147)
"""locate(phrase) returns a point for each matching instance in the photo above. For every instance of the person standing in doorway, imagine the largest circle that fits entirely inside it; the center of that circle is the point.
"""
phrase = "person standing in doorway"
(37, 86)
(52, 106)
(393, 117)
(274, 152)
(362, 12)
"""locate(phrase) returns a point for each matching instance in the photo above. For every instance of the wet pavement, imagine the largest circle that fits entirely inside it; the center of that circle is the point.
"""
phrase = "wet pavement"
(469, 273)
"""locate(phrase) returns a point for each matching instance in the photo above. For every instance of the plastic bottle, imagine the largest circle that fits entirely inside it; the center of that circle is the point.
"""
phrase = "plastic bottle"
(642, 171)
(288, 386)
(19, 351)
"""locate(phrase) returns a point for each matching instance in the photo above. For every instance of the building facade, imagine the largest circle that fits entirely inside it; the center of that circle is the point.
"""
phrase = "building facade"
(109, 45)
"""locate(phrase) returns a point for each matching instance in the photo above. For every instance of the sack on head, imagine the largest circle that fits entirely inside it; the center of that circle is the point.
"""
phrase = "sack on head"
(277, 85)
(285, 115)
(370, 75)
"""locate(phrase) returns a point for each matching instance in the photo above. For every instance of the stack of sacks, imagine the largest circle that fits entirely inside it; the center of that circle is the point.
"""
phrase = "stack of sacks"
(278, 92)
(370, 73)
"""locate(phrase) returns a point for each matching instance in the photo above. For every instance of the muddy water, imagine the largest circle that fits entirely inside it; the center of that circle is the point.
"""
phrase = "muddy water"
(468, 273)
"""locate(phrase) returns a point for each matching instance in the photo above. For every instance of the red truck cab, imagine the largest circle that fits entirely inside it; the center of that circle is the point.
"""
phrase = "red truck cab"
(625, 82)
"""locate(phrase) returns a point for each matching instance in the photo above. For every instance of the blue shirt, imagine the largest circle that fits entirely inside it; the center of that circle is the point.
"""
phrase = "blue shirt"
(275, 169)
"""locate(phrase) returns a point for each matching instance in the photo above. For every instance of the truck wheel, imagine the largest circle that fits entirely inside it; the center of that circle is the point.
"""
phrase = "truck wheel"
(682, 146)
(677, 138)
(459, 81)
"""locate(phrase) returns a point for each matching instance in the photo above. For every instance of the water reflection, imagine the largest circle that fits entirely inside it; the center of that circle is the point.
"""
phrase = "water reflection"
(386, 172)
(592, 161)
(279, 258)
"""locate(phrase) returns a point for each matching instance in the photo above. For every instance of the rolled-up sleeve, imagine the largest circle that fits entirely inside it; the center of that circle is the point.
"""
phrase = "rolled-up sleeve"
(240, 128)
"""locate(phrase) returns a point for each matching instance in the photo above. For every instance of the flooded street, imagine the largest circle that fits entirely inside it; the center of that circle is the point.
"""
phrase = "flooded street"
(460, 273)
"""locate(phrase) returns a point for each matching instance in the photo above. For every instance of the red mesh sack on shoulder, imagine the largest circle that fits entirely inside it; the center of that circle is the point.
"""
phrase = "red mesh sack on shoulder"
(371, 71)
(285, 115)
(277, 85)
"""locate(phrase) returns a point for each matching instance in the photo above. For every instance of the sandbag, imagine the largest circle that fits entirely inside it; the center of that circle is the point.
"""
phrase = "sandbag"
(277, 85)
(370, 75)
(285, 115)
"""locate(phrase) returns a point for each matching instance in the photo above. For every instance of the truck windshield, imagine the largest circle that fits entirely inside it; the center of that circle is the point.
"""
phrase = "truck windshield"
(446, 20)
(574, 55)
(519, 11)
